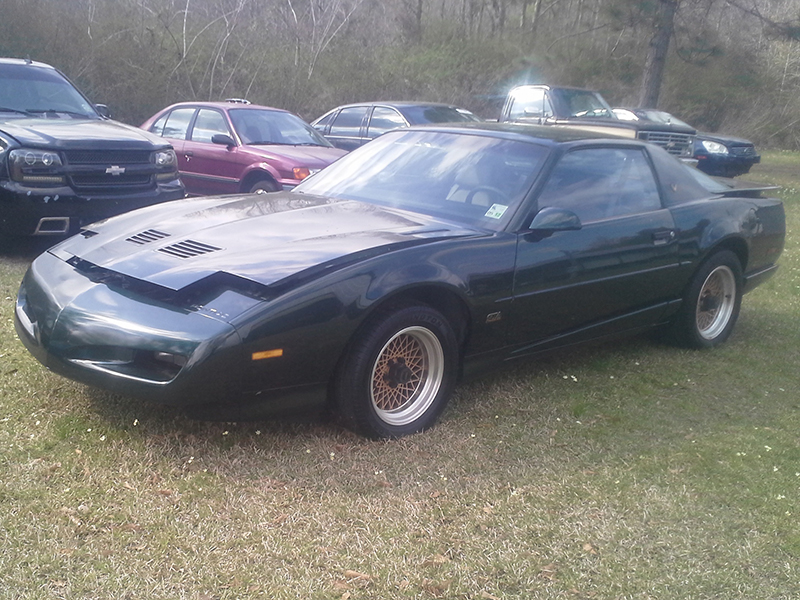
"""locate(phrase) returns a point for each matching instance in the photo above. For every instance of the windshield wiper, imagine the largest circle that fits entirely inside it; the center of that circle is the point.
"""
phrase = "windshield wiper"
(15, 110)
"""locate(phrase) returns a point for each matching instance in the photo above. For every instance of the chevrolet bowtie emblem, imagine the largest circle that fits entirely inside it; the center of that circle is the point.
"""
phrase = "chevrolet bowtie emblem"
(115, 170)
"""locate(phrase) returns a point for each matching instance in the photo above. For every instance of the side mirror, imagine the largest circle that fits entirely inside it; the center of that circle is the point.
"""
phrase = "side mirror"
(103, 110)
(552, 218)
(222, 139)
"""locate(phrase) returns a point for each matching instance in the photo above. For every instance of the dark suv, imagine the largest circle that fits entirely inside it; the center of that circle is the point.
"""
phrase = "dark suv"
(64, 163)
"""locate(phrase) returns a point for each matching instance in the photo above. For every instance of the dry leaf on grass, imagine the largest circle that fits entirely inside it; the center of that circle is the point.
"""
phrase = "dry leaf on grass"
(548, 572)
(350, 574)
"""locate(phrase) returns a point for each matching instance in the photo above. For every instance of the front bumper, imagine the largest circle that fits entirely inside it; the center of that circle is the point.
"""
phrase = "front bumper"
(59, 211)
(92, 333)
(726, 165)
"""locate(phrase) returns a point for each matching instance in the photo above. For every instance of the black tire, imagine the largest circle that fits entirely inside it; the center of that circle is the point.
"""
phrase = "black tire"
(263, 186)
(398, 374)
(711, 303)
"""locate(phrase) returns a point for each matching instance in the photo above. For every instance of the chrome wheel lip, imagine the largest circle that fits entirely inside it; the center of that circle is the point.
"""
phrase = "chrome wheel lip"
(431, 370)
(719, 289)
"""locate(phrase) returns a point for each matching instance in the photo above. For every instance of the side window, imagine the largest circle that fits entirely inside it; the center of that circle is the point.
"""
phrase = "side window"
(348, 121)
(158, 126)
(530, 104)
(208, 123)
(384, 119)
(601, 183)
(323, 121)
(177, 123)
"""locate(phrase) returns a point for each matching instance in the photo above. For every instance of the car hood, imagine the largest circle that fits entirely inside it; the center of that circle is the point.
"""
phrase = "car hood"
(263, 238)
(75, 133)
(312, 156)
(723, 139)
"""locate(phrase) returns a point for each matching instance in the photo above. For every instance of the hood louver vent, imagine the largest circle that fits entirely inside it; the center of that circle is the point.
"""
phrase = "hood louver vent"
(188, 249)
(145, 237)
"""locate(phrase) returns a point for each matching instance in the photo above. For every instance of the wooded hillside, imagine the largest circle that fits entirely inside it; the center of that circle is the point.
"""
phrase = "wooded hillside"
(731, 65)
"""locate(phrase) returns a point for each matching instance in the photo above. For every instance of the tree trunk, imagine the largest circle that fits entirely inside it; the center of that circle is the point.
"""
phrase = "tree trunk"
(663, 28)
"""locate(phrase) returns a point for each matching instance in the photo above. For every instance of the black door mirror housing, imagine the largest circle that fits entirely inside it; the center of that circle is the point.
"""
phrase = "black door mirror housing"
(553, 218)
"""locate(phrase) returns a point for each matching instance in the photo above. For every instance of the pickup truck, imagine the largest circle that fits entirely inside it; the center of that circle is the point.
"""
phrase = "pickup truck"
(587, 110)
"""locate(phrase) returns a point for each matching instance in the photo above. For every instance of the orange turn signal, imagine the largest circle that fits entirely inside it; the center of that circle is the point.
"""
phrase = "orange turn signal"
(301, 172)
(267, 354)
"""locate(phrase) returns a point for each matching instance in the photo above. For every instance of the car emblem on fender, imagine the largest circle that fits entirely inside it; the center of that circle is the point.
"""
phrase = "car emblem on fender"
(115, 170)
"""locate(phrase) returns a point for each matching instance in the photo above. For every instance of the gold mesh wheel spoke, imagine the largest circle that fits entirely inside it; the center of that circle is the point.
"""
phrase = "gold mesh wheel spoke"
(407, 375)
(403, 353)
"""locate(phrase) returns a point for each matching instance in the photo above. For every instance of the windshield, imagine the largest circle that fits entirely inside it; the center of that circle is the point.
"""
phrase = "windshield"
(584, 104)
(473, 179)
(262, 126)
(28, 90)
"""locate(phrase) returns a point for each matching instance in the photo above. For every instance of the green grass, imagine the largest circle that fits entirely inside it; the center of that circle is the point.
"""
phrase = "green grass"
(628, 470)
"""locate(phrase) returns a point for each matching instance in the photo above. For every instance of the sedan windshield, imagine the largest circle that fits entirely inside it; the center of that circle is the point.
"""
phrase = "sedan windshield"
(476, 180)
(263, 127)
(38, 92)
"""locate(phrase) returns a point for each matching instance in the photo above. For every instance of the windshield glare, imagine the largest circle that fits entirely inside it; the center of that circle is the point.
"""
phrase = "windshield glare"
(257, 126)
(471, 179)
(26, 90)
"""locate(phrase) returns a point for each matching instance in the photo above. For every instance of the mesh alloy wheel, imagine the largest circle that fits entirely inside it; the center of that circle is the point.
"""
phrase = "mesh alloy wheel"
(407, 375)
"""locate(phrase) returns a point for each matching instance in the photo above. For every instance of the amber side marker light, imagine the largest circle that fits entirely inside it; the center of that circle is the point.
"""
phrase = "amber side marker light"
(267, 354)
(301, 172)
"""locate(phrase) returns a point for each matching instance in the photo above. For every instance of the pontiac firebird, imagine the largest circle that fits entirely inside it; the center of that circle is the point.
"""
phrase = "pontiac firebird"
(424, 256)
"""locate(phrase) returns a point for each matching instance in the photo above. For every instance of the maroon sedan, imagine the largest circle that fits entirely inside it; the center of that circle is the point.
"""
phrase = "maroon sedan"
(234, 146)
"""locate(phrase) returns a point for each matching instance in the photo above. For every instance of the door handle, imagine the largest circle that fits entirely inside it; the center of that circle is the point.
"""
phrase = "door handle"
(661, 238)
(188, 155)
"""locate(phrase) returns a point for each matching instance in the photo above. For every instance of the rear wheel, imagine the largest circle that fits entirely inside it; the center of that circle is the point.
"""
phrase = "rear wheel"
(399, 373)
(711, 303)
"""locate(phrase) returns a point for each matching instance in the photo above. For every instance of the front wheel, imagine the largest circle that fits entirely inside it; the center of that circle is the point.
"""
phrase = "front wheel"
(399, 373)
(263, 186)
(711, 303)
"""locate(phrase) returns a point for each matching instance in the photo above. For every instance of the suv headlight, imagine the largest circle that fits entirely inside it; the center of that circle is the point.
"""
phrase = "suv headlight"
(165, 159)
(714, 147)
(35, 167)
(167, 164)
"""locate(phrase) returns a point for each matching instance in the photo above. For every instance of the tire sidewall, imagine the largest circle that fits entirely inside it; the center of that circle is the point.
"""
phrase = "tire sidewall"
(353, 382)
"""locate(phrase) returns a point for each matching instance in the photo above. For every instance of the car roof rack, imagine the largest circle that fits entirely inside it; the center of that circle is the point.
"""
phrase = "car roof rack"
(237, 100)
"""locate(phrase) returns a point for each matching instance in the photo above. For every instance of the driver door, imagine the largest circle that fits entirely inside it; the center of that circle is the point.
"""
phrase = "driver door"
(615, 272)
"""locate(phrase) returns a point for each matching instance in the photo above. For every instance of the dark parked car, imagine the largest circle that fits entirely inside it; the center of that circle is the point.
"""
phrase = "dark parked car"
(429, 253)
(63, 163)
(716, 154)
(234, 146)
(724, 155)
(586, 109)
(353, 125)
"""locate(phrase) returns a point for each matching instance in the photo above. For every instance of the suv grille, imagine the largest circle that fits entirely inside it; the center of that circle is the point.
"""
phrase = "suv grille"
(679, 144)
(109, 170)
(107, 157)
(743, 150)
